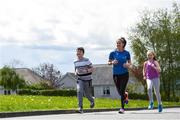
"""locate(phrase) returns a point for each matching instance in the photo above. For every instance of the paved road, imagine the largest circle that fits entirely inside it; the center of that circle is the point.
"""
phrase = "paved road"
(167, 114)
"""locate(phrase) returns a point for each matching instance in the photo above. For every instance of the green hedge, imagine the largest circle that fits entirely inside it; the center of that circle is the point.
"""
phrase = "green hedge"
(145, 97)
(138, 96)
(47, 92)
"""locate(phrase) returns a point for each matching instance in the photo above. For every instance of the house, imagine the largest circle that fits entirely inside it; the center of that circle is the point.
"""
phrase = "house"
(102, 84)
(1, 90)
(178, 88)
(68, 81)
(28, 75)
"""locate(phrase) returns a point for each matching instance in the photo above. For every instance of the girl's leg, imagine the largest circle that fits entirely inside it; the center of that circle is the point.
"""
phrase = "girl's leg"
(150, 94)
(156, 84)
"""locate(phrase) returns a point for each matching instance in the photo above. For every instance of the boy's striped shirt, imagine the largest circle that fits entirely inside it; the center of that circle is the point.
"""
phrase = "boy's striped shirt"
(81, 67)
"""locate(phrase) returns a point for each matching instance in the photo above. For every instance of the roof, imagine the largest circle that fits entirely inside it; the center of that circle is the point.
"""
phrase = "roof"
(102, 75)
(29, 76)
(69, 74)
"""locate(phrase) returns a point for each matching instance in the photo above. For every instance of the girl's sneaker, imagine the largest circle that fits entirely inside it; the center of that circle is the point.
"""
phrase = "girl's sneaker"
(121, 111)
(151, 105)
(160, 108)
(126, 100)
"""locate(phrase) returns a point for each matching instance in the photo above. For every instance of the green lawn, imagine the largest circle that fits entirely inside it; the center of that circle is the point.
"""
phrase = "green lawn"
(32, 103)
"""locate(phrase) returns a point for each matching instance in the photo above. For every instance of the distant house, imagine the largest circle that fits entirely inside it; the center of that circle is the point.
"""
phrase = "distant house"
(1, 90)
(177, 87)
(103, 84)
(68, 81)
(28, 75)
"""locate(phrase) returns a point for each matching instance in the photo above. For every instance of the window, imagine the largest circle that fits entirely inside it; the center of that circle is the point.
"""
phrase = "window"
(106, 90)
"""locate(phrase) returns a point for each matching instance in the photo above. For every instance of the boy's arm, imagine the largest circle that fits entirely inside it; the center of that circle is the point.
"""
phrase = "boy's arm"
(90, 69)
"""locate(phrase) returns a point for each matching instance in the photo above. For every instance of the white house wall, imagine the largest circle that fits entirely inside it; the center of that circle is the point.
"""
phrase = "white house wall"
(68, 83)
(98, 92)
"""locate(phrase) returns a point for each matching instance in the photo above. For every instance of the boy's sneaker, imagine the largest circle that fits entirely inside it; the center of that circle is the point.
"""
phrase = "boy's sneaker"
(92, 105)
(121, 111)
(80, 110)
(151, 105)
(160, 108)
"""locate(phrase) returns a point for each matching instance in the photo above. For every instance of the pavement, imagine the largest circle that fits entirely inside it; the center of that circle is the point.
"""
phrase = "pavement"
(167, 114)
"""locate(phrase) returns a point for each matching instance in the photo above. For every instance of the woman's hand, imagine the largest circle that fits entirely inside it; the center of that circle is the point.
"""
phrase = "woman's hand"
(127, 65)
(114, 62)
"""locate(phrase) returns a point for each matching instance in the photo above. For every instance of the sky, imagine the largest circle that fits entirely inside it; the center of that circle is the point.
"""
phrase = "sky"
(33, 32)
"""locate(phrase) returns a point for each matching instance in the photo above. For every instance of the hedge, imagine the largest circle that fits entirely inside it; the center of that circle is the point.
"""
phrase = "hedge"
(138, 96)
(47, 92)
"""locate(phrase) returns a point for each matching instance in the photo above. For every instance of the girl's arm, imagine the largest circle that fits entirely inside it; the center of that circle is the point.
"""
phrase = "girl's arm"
(157, 67)
(144, 70)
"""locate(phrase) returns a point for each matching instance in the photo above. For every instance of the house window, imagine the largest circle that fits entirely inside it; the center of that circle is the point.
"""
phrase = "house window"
(106, 90)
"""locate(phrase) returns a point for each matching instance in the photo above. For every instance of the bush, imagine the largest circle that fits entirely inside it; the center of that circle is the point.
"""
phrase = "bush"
(43, 85)
(47, 92)
(138, 96)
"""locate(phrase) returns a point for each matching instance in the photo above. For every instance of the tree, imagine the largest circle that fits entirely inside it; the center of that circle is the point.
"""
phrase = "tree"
(138, 73)
(10, 80)
(49, 72)
(160, 31)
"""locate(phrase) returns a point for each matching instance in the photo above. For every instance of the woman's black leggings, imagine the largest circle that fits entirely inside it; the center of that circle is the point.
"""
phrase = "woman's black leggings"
(121, 83)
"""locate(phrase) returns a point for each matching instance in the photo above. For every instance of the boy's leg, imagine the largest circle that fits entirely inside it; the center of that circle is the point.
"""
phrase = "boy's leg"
(88, 92)
(80, 90)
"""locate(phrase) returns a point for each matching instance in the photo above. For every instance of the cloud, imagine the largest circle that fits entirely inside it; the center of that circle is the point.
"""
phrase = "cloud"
(38, 31)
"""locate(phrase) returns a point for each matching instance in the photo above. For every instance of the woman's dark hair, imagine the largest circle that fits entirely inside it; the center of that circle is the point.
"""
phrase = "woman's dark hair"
(123, 40)
(81, 49)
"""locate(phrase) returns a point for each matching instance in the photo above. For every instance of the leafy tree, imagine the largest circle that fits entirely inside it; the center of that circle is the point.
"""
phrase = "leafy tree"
(10, 80)
(49, 72)
(160, 31)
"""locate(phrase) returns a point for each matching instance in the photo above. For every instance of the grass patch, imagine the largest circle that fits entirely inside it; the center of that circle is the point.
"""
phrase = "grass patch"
(14, 103)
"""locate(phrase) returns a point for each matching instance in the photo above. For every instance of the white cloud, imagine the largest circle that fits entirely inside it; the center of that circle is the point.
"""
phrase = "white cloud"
(59, 26)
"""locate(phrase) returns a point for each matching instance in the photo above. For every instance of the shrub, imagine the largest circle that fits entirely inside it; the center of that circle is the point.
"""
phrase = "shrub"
(47, 92)
(138, 96)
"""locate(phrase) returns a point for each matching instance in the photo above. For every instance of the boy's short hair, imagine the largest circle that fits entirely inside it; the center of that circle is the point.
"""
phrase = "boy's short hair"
(81, 49)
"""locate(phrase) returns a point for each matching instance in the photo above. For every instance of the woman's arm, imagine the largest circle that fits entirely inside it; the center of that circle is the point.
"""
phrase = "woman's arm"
(128, 64)
(112, 62)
